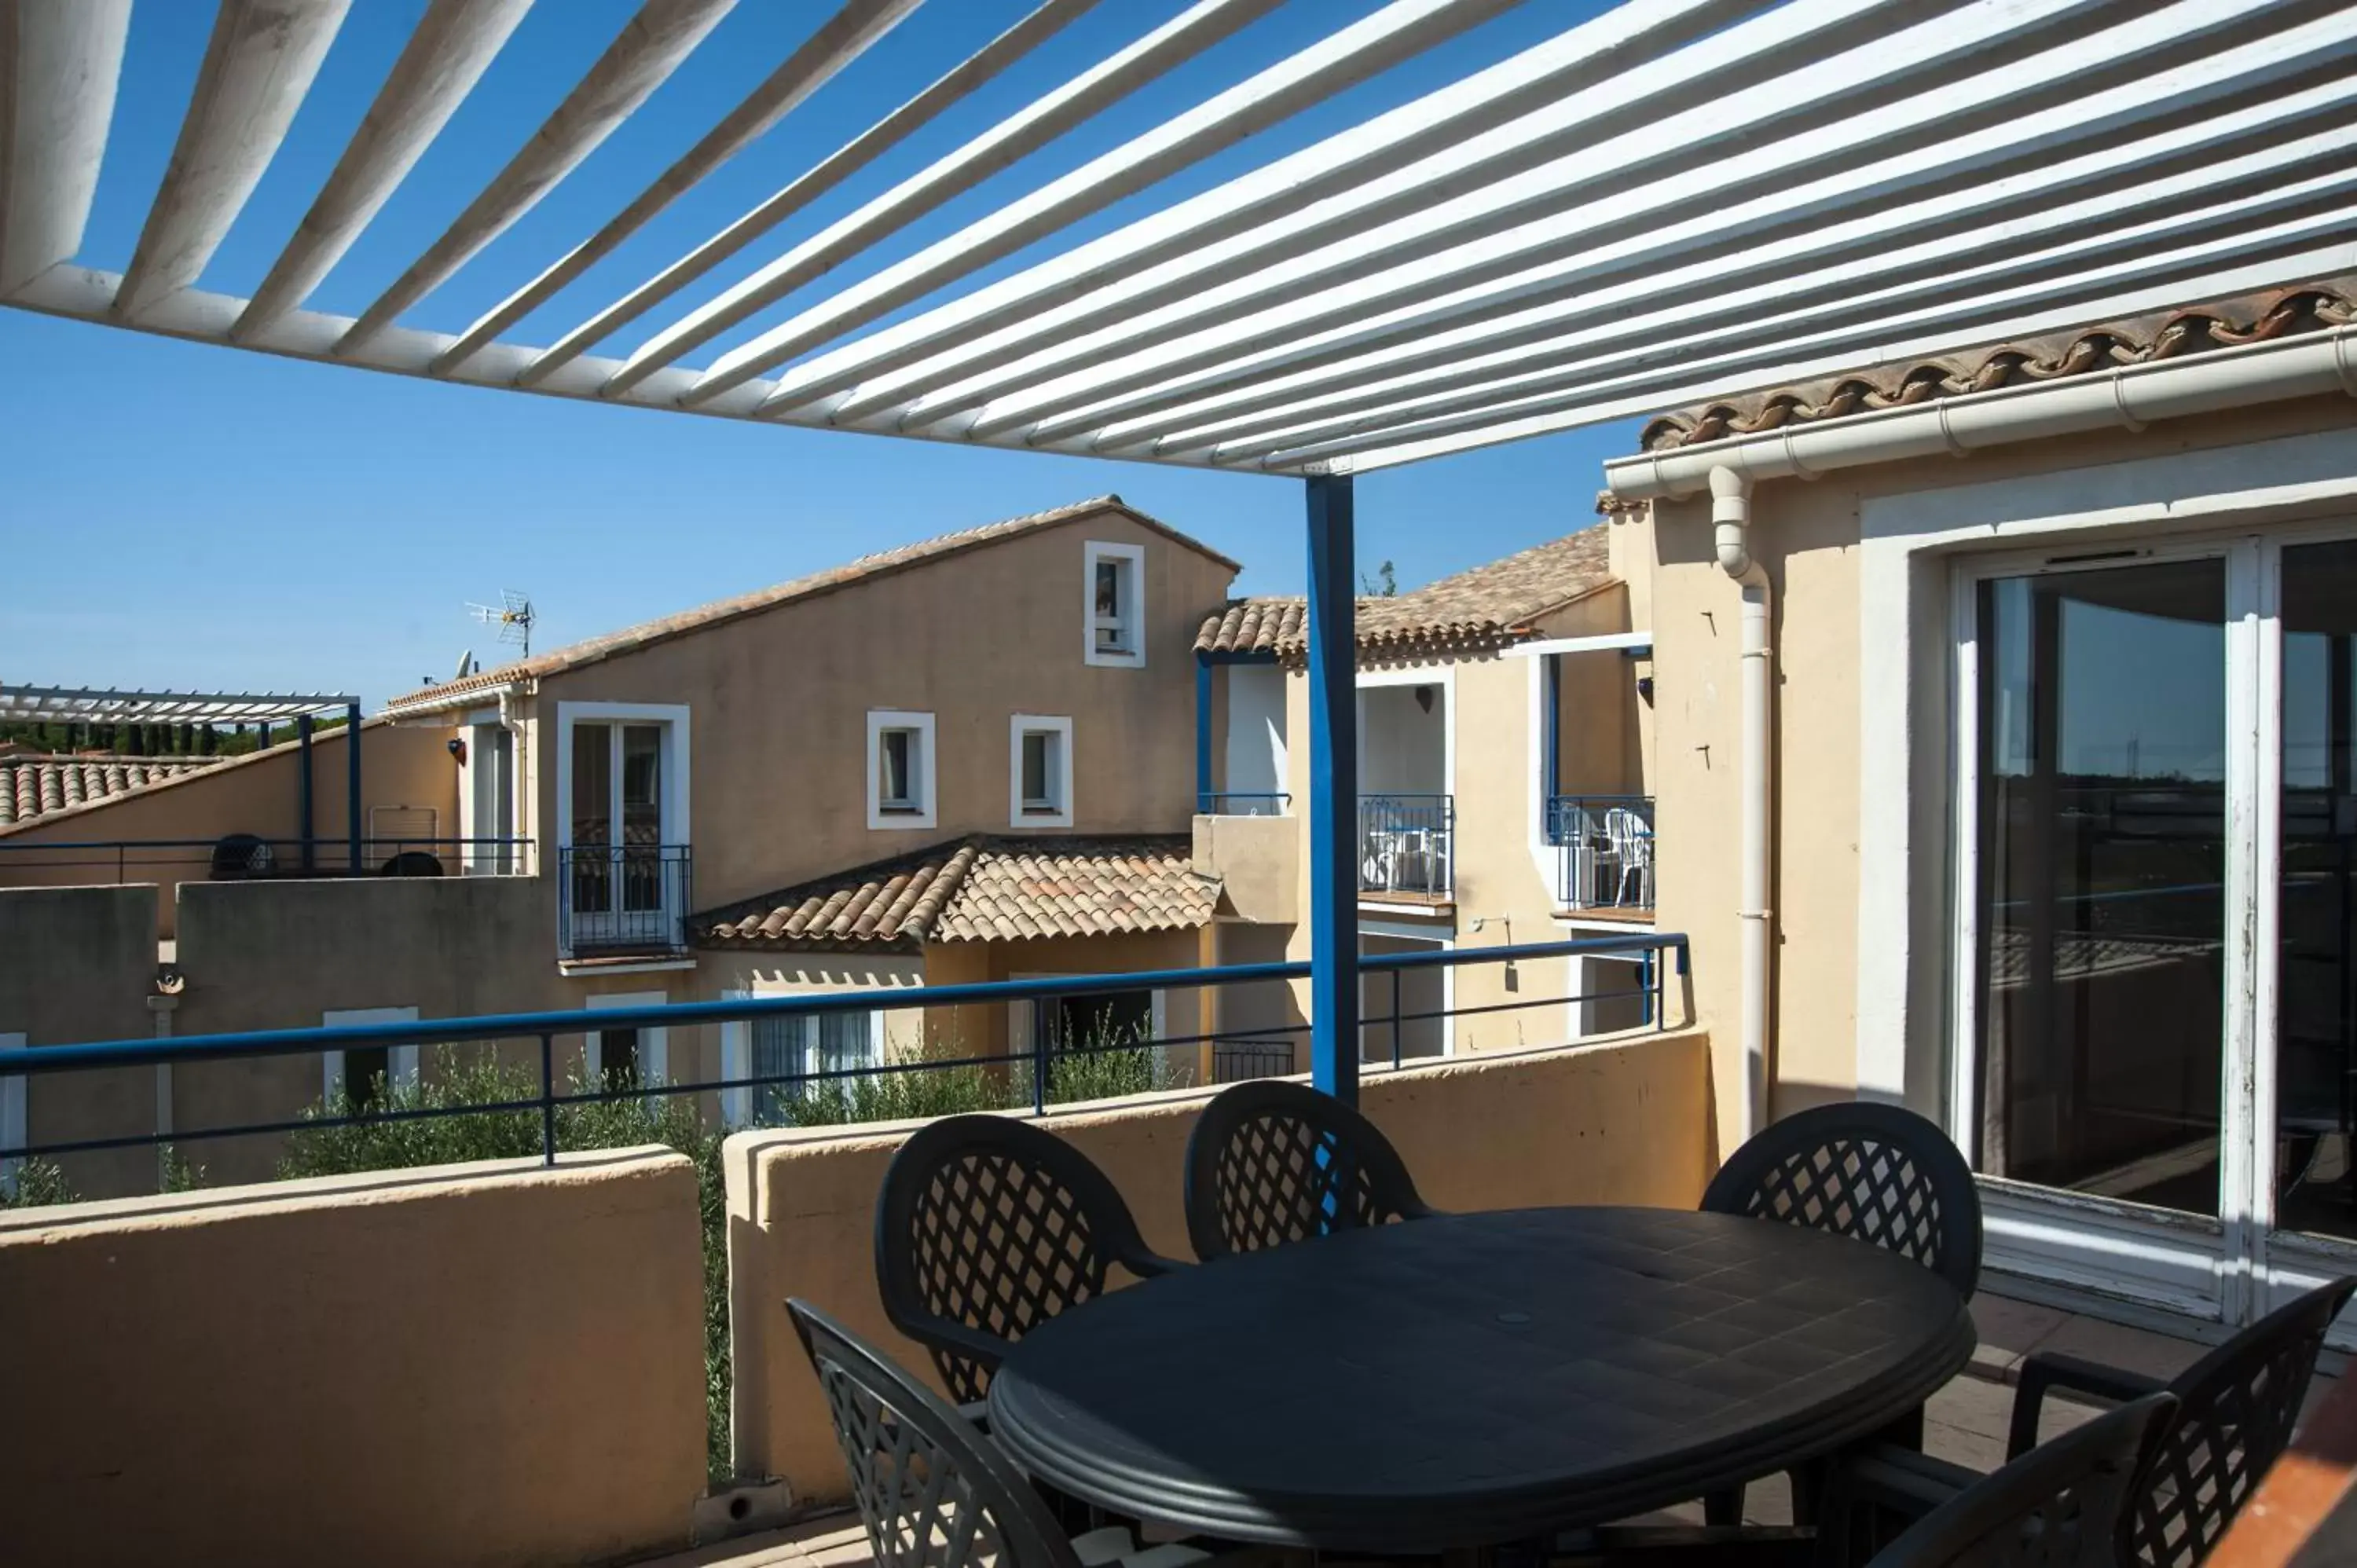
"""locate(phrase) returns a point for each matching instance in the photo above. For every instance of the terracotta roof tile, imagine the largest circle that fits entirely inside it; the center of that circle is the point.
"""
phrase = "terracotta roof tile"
(980, 889)
(1476, 611)
(884, 562)
(2163, 335)
(32, 787)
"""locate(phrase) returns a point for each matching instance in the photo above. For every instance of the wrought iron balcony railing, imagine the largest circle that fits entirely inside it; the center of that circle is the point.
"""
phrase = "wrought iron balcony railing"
(1604, 851)
(623, 899)
(1408, 845)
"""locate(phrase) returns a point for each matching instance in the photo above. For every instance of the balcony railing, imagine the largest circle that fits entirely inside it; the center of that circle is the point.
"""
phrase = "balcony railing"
(1231, 805)
(623, 899)
(1047, 1072)
(247, 857)
(1407, 846)
(1604, 851)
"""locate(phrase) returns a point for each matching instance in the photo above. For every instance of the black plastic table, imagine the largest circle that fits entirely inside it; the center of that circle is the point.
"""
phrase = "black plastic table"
(1476, 1378)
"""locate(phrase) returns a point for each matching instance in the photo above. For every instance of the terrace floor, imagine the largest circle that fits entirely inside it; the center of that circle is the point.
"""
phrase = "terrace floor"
(1966, 1422)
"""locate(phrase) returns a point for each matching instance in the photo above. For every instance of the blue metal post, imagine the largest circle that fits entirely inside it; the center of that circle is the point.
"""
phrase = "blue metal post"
(1202, 732)
(303, 818)
(1333, 792)
(352, 782)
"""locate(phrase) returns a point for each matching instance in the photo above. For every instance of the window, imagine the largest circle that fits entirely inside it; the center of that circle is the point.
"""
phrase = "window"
(901, 792)
(1039, 785)
(625, 1059)
(1115, 625)
(790, 1049)
(13, 1123)
(367, 1073)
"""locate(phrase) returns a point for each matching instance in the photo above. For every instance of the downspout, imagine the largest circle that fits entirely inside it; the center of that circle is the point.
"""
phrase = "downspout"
(1730, 515)
(515, 779)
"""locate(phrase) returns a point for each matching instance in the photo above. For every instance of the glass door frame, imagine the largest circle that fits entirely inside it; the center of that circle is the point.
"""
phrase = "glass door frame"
(672, 801)
(2145, 1256)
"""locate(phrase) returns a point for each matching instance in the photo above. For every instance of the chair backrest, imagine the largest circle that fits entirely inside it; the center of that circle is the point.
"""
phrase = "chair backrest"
(993, 1226)
(2058, 1506)
(2236, 1408)
(1878, 1173)
(1271, 1162)
(932, 1492)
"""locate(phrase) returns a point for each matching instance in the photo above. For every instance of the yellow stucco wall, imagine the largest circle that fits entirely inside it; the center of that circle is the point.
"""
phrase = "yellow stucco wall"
(103, 939)
(1806, 534)
(1614, 1123)
(492, 1365)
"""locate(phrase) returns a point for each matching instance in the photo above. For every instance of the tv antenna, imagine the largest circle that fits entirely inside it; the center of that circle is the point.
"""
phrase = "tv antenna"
(513, 614)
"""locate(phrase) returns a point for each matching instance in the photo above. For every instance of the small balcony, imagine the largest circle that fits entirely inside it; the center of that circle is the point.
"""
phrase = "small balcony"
(617, 901)
(1407, 847)
(1604, 860)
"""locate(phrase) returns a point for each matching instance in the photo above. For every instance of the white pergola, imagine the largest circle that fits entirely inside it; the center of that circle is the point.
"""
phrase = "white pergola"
(1674, 199)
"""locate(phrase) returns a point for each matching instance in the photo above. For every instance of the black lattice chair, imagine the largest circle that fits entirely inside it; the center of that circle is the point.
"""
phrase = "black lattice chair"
(2236, 1408)
(931, 1489)
(1271, 1162)
(987, 1227)
(2063, 1505)
(1878, 1174)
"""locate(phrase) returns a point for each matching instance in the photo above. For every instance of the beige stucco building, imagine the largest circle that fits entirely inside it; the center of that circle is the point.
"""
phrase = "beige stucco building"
(2057, 759)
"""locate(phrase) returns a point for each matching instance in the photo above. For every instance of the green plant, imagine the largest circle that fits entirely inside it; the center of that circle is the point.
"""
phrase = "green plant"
(176, 1173)
(38, 1182)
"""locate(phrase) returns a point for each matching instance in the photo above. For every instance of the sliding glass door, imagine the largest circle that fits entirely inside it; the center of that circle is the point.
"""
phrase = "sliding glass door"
(2157, 968)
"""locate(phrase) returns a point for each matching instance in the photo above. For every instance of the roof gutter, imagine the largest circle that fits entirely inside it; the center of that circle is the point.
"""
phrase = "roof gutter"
(2129, 397)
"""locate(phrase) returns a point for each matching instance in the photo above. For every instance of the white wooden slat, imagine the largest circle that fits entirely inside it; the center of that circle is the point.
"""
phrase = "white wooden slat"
(641, 57)
(60, 62)
(2258, 259)
(842, 38)
(2292, 185)
(953, 85)
(1583, 57)
(258, 65)
(1400, 30)
(454, 43)
(1315, 259)
(1174, 43)
(1717, 208)
(1642, 262)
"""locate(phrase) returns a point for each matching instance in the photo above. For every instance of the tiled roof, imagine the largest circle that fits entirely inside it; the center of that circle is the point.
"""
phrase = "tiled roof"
(2164, 334)
(1476, 611)
(31, 787)
(980, 889)
(883, 564)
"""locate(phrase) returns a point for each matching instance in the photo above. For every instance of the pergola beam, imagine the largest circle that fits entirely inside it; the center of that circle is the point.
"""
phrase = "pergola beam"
(1174, 43)
(60, 60)
(257, 68)
(643, 56)
(839, 40)
(454, 43)
(948, 90)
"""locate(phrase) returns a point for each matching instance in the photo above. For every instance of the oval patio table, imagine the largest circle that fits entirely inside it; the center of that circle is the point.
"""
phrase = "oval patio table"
(1476, 1378)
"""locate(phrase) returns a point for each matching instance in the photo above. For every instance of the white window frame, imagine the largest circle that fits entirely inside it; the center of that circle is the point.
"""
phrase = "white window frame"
(401, 1062)
(673, 719)
(1132, 621)
(1020, 813)
(925, 763)
(654, 1040)
(737, 1050)
(16, 1116)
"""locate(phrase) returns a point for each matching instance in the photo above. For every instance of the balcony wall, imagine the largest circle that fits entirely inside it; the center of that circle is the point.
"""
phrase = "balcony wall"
(1621, 1122)
(1258, 861)
(79, 964)
(491, 1364)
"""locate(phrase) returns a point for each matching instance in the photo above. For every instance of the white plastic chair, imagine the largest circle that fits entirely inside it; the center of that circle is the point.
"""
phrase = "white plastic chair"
(1629, 840)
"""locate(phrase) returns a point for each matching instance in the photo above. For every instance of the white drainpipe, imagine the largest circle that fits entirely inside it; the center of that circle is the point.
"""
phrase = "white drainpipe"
(1730, 514)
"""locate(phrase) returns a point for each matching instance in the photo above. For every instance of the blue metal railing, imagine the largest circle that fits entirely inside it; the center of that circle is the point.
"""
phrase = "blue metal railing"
(624, 898)
(1038, 1059)
(1408, 845)
(247, 857)
(1224, 803)
(1606, 845)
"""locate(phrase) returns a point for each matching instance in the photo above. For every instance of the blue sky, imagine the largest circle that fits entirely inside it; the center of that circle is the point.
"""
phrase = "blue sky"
(180, 515)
